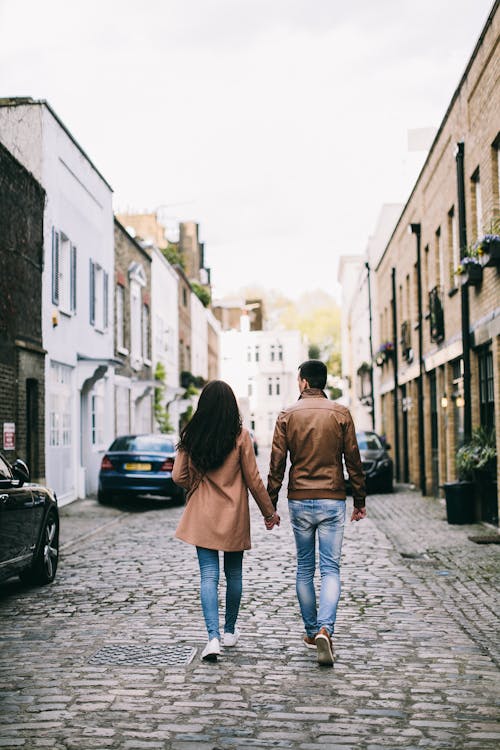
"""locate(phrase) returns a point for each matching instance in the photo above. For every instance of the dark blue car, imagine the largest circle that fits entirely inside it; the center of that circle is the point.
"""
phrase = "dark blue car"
(138, 465)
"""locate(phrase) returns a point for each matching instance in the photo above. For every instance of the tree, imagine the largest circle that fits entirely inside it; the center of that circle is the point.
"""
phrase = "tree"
(202, 293)
(173, 255)
(314, 351)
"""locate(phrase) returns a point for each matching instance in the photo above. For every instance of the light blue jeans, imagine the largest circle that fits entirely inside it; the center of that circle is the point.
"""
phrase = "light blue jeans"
(327, 519)
(209, 573)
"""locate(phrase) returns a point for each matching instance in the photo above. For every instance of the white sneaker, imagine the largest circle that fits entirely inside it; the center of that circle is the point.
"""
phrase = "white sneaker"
(231, 639)
(211, 650)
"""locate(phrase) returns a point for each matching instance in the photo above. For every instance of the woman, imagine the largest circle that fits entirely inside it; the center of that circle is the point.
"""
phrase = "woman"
(216, 464)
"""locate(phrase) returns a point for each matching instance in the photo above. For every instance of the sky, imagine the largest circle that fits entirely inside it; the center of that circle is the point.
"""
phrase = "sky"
(279, 125)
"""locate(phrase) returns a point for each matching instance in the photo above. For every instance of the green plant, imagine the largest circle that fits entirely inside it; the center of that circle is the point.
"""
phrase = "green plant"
(202, 293)
(161, 414)
(478, 455)
(173, 255)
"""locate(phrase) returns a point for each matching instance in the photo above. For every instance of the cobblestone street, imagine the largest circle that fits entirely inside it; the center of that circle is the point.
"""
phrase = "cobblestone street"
(416, 640)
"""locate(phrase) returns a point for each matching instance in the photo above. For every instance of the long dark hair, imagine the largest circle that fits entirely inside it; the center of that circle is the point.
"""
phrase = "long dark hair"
(211, 434)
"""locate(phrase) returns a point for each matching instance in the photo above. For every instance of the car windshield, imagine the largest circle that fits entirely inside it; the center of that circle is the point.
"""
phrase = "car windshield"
(154, 443)
(369, 441)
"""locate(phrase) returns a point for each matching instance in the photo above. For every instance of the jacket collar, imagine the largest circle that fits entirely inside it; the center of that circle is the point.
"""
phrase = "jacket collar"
(312, 393)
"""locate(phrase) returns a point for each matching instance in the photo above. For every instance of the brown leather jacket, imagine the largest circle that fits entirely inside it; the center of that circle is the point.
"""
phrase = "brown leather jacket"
(317, 432)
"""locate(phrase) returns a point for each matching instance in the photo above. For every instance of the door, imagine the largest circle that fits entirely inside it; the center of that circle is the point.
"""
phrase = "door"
(60, 461)
(404, 402)
(434, 435)
(32, 453)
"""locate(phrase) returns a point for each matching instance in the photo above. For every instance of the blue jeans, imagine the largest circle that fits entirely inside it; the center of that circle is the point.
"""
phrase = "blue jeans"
(327, 518)
(209, 572)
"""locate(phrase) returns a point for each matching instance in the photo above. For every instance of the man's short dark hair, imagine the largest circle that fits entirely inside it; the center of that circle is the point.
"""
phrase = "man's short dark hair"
(314, 371)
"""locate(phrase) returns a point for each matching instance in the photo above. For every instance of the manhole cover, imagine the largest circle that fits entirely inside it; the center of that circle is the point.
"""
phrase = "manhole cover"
(144, 656)
(486, 539)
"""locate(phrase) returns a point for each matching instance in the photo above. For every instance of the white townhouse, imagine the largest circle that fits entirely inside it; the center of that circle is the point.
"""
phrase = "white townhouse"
(77, 324)
(199, 338)
(356, 276)
(262, 368)
(165, 330)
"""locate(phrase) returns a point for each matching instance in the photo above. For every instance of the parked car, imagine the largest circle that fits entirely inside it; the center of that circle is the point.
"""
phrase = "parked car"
(136, 465)
(254, 442)
(29, 526)
(377, 464)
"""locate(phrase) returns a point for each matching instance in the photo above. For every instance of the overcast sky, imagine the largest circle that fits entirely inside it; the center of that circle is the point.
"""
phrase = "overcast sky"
(279, 125)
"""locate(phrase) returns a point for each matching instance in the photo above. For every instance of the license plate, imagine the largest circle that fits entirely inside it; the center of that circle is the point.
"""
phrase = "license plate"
(138, 467)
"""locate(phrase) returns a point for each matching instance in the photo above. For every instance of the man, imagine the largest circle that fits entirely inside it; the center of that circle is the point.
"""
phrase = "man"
(317, 433)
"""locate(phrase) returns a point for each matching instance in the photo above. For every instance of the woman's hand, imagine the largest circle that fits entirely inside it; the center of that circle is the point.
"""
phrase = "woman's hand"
(272, 521)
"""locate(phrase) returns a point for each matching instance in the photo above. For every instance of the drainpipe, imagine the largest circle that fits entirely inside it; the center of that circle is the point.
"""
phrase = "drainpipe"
(416, 230)
(372, 390)
(462, 236)
(395, 363)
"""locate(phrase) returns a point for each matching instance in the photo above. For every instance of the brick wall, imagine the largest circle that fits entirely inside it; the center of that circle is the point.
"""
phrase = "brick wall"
(472, 118)
(22, 202)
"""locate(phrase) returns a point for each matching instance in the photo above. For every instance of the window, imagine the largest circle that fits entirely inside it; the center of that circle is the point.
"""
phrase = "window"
(184, 296)
(249, 353)
(270, 386)
(257, 353)
(97, 415)
(453, 246)
(280, 352)
(496, 172)
(250, 388)
(272, 352)
(135, 325)
(477, 206)
(486, 394)
(60, 405)
(98, 285)
(63, 272)
(120, 322)
(145, 332)
(439, 258)
(278, 386)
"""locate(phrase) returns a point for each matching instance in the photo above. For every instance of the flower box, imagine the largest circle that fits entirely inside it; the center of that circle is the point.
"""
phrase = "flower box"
(488, 251)
(470, 272)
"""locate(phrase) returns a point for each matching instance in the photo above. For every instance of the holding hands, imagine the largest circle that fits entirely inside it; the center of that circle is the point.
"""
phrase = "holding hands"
(272, 521)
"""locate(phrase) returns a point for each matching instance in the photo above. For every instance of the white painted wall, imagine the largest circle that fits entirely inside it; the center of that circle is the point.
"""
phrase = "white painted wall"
(199, 338)
(165, 328)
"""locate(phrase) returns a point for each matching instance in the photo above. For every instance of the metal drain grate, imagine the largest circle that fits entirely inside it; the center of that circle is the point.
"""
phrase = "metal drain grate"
(144, 656)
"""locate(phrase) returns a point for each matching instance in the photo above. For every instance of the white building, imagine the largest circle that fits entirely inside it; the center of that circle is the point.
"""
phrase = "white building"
(262, 367)
(165, 330)
(355, 322)
(77, 314)
(199, 338)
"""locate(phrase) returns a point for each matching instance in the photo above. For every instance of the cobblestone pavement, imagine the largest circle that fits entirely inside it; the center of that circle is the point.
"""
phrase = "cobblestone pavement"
(416, 651)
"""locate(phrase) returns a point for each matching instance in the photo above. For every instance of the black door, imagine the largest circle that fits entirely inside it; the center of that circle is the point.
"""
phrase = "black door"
(434, 434)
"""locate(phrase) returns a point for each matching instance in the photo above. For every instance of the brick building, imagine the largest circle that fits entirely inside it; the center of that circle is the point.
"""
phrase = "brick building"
(134, 376)
(439, 339)
(22, 356)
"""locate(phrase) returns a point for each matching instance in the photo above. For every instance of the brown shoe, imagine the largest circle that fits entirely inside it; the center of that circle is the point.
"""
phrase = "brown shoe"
(324, 647)
(309, 642)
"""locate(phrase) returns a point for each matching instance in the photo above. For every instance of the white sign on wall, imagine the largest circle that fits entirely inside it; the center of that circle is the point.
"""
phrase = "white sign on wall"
(9, 436)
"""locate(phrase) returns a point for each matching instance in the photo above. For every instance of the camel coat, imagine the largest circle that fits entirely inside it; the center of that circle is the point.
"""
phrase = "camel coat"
(217, 515)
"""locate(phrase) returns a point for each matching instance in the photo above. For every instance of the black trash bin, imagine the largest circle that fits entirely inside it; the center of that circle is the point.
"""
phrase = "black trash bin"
(460, 502)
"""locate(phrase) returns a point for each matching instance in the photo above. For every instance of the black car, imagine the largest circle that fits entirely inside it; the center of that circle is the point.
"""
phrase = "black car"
(377, 464)
(138, 465)
(29, 526)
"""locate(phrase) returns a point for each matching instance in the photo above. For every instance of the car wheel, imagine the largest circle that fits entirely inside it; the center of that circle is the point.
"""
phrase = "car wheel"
(103, 497)
(43, 569)
(387, 486)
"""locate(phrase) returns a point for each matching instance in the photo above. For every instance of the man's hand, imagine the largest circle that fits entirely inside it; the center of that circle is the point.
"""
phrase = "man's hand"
(272, 521)
(358, 514)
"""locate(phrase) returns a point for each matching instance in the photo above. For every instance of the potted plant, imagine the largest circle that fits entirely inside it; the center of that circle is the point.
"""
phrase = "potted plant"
(488, 250)
(477, 462)
(470, 271)
(385, 350)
